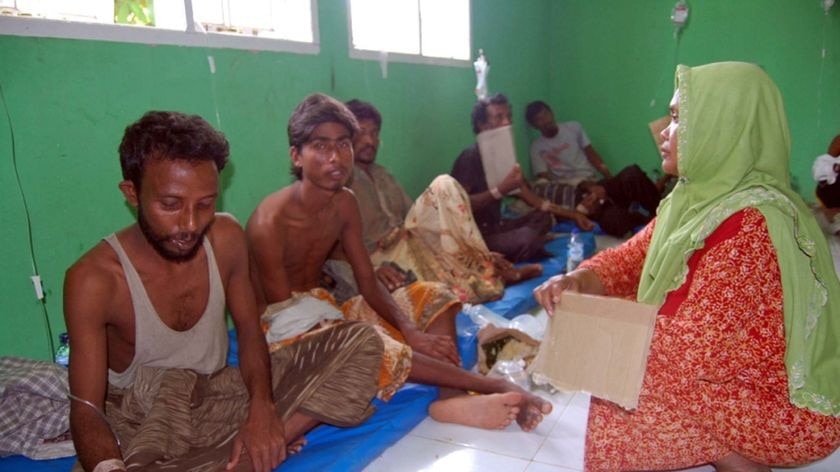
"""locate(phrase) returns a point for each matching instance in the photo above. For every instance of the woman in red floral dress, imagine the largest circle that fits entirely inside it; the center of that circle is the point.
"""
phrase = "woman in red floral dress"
(744, 364)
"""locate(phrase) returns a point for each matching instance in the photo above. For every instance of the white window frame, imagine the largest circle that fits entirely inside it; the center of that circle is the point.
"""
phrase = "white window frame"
(47, 28)
(387, 56)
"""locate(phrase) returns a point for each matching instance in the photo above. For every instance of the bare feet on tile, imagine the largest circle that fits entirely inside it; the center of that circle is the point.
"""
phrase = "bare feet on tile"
(492, 411)
(532, 410)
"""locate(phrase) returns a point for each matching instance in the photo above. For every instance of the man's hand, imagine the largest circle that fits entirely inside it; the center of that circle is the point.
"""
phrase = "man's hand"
(593, 198)
(433, 345)
(390, 277)
(512, 181)
(263, 436)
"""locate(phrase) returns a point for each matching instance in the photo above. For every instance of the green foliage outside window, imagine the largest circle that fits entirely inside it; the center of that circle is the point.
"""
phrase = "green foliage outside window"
(134, 12)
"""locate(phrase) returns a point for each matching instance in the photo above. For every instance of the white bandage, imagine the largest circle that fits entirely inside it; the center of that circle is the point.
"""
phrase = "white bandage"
(496, 193)
(109, 464)
(545, 205)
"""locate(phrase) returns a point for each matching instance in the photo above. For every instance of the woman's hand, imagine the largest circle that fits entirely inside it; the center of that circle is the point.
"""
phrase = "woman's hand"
(549, 293)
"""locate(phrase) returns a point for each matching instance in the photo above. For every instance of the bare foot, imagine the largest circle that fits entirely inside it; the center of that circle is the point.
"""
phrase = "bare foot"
(500, 263)
(734, 462)
(529, 271)
(532, 409)
(510, 274)
(295, 446)
(491, 411)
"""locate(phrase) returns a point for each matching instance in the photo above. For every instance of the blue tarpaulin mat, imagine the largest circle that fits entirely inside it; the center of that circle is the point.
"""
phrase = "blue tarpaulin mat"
(328, 448)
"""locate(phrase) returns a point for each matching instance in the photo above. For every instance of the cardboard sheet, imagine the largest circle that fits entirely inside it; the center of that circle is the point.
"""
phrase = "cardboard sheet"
(498, 155)
(597, 345)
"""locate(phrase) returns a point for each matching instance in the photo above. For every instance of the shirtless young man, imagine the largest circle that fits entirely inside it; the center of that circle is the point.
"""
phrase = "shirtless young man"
(293, 231)
(145, 310)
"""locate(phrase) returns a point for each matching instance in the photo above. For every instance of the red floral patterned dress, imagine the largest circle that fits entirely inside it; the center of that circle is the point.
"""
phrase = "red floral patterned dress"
(715, 380)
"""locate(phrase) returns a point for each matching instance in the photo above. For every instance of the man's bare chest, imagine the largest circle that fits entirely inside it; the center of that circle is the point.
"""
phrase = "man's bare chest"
(178, 300)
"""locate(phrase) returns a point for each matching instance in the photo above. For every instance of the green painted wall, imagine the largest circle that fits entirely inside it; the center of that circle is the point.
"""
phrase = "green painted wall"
(612, 67)
(68, 102)
(607, 64)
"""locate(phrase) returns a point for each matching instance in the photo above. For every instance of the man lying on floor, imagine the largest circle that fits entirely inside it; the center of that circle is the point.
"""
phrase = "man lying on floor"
(145, 310)
(293, 231)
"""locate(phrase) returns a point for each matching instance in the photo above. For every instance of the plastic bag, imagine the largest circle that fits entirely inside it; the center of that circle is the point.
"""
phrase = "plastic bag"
(513, 371)
(527, 323)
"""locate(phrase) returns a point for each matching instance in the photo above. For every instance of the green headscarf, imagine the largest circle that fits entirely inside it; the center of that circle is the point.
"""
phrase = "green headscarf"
(733, 151)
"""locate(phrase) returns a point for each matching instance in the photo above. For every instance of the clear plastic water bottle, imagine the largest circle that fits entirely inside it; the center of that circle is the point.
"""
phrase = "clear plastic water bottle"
(574, 254)
(62, 353)
(481, 315)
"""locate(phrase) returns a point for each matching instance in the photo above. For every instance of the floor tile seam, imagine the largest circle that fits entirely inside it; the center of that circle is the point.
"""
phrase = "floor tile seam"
(484, 449)
(556, 465)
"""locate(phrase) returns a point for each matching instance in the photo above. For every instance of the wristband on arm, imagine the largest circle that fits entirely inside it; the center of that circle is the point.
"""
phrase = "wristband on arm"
(496, 193)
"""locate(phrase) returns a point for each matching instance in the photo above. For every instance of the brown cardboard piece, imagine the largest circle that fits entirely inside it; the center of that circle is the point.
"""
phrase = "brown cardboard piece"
(598, 345)
(498, 155)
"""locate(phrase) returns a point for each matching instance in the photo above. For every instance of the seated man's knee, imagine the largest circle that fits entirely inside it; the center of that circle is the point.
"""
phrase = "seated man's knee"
(361, 335)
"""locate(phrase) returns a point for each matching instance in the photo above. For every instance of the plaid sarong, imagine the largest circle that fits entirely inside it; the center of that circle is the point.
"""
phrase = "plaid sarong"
(178, 420)
(33, 405)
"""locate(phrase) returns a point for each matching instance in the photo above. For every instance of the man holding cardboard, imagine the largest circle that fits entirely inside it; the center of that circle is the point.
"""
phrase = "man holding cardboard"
(434, 237)
(517, 239)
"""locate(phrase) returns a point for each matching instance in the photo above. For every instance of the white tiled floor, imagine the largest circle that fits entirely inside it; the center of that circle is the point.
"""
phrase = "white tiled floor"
(555, 446)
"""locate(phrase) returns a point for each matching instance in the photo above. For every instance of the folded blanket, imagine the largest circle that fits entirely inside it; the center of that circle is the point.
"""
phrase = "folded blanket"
(33, 409)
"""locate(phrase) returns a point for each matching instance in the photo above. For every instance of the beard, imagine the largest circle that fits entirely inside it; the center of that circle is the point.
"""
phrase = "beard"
(158, 242)
(366, 155)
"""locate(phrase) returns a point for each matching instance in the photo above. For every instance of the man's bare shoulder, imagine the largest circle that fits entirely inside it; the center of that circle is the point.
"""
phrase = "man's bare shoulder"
(267, 212)
(345, 199)
(226, 228)
(226, 235)
(98, 273)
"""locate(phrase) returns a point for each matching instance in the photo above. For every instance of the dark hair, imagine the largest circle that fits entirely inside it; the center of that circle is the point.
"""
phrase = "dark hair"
(533, 109)
(170, 135)
(479, 112)
(313, 111)
(365, 111)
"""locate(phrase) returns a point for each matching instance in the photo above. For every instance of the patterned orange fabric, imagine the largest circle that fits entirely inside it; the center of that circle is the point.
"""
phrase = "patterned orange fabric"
(422, 302)
(715, 380)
